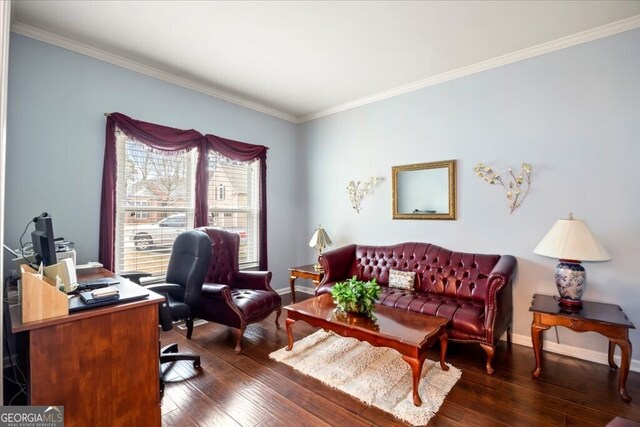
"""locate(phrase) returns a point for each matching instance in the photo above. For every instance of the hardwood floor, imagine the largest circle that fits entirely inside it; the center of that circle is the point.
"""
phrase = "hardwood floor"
(252, 390)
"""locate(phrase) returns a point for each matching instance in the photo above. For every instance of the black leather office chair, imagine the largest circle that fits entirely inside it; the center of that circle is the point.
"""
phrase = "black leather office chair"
(188, 264)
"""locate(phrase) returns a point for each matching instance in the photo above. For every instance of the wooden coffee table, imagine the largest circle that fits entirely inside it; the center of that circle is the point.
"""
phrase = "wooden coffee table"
(411, 334)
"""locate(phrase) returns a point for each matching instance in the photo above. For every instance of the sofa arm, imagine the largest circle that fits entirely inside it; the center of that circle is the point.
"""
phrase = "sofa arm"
(499, 301)
(505, 267)
(336, 264)
(216, 291)
(257, 280)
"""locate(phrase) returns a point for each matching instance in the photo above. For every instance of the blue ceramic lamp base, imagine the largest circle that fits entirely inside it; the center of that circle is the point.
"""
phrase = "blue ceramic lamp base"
(571, 280)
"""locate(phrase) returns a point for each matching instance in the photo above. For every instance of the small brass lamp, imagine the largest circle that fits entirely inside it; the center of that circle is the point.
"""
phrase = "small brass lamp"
(319, 241)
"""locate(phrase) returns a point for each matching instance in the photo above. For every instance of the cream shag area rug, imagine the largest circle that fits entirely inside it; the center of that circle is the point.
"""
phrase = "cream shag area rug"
(375, 375)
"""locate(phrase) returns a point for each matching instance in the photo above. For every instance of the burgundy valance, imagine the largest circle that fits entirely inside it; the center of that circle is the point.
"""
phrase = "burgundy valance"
(157, 136)
(170, 139)
(236, 150)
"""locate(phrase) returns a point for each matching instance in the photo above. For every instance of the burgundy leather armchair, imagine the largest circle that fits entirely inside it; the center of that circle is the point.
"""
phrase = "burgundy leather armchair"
(232, 297)
(472, 290)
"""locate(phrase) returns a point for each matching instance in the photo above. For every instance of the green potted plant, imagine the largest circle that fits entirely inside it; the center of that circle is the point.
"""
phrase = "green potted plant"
(356, 296)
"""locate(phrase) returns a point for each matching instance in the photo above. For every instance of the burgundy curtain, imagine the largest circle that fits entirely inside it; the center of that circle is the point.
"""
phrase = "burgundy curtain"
(170, 139)
(245, 152)
(159, 138)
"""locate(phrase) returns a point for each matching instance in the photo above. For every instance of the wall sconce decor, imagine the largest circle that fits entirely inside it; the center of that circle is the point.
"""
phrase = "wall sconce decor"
(515, 185)
(357, 190)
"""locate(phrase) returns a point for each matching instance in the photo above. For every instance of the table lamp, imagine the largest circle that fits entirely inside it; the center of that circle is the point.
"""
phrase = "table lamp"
(571, 241)
(319, 241)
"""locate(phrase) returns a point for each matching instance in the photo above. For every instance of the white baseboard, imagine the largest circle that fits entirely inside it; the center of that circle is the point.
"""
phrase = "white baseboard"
(577, 352)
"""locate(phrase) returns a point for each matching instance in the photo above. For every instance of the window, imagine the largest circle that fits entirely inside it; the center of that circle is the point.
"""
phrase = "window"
(233, 202)
(220, 194)
(140, 214)
(154, 203)
(158, 181)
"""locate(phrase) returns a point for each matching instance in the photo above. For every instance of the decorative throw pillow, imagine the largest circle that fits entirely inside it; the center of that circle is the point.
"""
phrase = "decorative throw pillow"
(401, 279)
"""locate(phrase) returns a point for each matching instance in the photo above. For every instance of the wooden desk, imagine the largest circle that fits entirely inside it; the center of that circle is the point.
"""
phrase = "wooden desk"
(303, 272)
(606, 319)
(101, 364)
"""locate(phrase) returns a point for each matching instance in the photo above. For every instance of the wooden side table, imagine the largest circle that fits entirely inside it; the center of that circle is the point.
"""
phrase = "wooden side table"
(606, 319)
(303, 272)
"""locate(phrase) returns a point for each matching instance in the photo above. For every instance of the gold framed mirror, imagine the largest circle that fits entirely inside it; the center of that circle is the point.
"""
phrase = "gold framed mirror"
(424, 190)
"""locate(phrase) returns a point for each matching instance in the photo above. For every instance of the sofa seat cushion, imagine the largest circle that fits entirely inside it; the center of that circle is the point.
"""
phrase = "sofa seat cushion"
(466, 316)
(255, 304)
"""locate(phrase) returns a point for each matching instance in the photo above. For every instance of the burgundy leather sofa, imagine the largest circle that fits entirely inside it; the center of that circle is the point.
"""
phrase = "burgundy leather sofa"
(472, 290)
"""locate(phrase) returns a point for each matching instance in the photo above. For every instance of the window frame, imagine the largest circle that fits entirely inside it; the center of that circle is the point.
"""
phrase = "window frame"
(165, 138)
(252, 234)
(123, 208)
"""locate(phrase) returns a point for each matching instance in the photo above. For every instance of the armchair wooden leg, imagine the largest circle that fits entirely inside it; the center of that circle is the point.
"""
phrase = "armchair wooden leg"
(278, 313)
(239, 333)
(490, 352)
(189, 327)
(509, 336)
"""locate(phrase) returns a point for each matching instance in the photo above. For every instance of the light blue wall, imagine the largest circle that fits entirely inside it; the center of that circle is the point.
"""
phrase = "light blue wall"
(574, 115)
(56, 133)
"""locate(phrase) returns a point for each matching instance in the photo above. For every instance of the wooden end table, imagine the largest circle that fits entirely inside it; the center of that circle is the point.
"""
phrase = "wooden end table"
(411, 334)
(303, 272)
(606, 319)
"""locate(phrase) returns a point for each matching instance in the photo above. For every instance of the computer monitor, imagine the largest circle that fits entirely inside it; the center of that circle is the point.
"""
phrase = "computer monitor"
(44, 246)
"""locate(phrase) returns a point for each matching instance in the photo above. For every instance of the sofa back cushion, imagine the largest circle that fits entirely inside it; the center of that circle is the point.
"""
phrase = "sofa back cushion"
(438, 271)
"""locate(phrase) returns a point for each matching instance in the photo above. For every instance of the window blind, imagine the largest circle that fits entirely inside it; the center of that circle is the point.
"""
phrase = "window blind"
(154, 203)
(233, 202)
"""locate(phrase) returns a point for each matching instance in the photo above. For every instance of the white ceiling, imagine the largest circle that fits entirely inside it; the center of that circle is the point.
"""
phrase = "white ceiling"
(304, 59)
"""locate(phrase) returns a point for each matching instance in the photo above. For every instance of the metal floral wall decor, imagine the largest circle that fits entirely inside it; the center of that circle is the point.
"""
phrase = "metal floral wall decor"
(517, 186)
(357, 190)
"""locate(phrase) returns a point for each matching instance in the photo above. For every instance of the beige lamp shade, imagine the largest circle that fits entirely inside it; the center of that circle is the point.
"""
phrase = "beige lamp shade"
(571, 239)
(320, 239)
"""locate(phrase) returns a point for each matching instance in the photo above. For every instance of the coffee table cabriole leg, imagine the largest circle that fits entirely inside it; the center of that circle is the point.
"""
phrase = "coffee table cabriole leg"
(289, 324)
(416, 369)
(443, 351)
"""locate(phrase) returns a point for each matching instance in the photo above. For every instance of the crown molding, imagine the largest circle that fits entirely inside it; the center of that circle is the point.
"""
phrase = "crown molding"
(510, 58)
(93, 52)
(530, 52)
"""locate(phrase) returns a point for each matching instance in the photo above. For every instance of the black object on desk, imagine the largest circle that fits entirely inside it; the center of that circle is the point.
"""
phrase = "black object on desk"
(89, 297)
(97, 283)
(127, 292)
